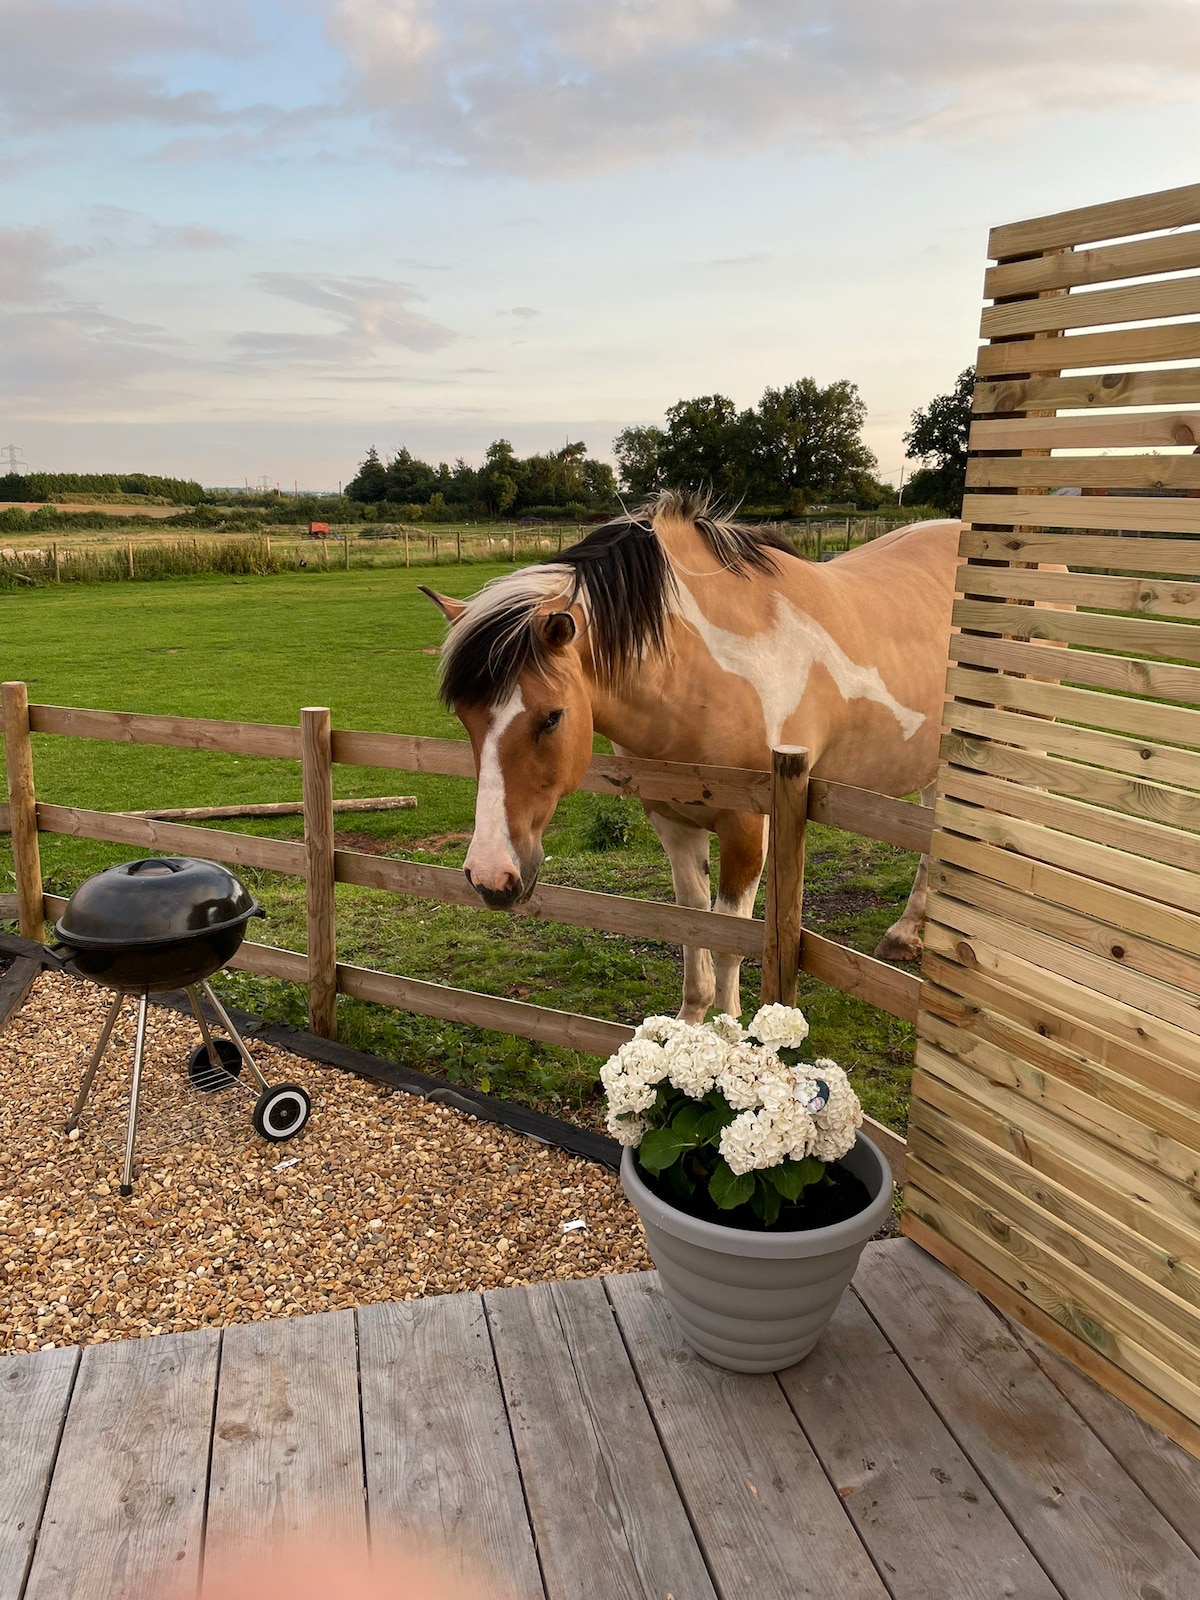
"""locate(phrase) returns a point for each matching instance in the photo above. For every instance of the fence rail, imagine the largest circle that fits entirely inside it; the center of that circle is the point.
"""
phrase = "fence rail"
(787, 795)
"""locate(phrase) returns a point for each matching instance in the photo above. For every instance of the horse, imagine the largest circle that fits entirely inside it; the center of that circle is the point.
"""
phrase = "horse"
(681, 635)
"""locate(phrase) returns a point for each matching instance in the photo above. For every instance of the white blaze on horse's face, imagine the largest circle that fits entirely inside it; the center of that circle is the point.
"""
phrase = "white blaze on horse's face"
(491, 864)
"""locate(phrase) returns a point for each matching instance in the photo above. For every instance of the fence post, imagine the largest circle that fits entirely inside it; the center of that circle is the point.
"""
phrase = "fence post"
(129, 548)
(406, 547)
(785, 874)
(22, 802)
(316, 753)
(458, 545)
(346, 548)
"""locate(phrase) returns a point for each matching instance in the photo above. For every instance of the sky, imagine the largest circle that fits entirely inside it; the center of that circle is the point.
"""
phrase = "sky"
(247, 239)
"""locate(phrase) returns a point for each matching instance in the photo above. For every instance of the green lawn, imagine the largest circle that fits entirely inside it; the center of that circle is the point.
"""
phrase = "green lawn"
(364, 643)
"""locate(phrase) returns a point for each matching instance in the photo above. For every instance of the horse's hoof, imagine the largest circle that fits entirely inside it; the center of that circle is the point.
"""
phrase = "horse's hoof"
(898, 947)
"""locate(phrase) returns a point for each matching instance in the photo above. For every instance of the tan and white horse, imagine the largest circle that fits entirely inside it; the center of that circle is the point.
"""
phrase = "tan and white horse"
(684, 637)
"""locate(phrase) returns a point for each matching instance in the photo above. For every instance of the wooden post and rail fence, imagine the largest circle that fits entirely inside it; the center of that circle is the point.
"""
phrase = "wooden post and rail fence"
(786, 794)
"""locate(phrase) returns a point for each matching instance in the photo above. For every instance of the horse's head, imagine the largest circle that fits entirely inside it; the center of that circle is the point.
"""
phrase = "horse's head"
(515, 679)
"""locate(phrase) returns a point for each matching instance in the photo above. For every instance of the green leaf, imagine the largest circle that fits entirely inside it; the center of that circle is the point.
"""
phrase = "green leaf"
(660, 1147)
(711, 1124)
(791, 1178)
(765, 1201)
(727, 1188)
(686, 1123)
(790, 1055)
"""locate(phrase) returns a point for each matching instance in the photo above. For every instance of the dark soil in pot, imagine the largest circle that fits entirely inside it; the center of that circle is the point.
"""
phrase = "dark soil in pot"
(836, 1197)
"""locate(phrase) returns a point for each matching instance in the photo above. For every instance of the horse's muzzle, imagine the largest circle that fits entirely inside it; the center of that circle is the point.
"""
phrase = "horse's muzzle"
(505, 899)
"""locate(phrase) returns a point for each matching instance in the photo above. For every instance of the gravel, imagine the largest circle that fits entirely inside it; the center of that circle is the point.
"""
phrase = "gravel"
(383, 1196)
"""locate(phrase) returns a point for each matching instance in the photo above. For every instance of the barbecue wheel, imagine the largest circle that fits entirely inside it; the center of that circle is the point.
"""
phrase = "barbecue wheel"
(281, 1112)
(204, 1076)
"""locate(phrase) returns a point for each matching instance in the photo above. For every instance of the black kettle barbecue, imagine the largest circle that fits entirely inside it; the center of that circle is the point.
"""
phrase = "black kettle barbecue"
(163, 923)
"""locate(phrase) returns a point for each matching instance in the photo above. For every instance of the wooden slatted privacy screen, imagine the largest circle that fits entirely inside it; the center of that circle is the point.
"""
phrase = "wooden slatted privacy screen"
(1054, 1138)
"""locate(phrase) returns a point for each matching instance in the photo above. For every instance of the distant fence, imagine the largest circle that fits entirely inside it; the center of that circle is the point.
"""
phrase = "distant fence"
(786, 794)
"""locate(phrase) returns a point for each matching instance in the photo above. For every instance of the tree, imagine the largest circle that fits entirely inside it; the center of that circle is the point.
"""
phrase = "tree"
(938, 440)
(807, 442)
(409, 479)
(370, 485)
(639, 457)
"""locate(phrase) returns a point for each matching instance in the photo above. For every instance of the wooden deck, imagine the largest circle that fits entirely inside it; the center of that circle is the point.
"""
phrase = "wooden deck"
(563, 1437)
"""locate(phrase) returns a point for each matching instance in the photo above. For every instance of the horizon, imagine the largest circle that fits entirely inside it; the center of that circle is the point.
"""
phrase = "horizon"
(253, 238)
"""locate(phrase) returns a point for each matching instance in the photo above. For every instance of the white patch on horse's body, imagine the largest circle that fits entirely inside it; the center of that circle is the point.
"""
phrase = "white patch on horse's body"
(492, 856)
(777, 662)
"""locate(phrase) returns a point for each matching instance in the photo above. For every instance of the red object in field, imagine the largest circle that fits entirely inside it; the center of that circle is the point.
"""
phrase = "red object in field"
(318, 530)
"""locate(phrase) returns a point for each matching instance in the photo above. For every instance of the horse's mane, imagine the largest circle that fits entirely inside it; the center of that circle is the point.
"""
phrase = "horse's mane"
(621, 575)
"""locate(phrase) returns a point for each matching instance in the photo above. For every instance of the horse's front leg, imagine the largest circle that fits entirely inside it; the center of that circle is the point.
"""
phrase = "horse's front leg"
(686, 845)
(743, 849)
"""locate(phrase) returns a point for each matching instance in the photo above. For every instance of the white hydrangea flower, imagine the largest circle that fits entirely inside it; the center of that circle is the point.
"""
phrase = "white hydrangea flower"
(765, 1137)
(727, 1028)
(780, 1026)
(661, 1030)
(842, 1117)
(742, 1074)
(626, 1130)
(632, 1076)
(695, 1060)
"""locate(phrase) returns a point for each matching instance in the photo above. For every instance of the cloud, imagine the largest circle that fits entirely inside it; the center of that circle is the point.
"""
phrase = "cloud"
(375, 314)
(118, 228)
(79, 357)
(552, 87)
(522, 313)
(28, 256)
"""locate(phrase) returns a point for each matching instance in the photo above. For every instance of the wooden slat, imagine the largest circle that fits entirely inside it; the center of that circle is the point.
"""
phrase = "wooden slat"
(1161, 763)
(1164, 680)
(174, 838)
(125, 1512)
(1052, 1004)
(1149, 1205)
(34, 1392)
(1155, 841)
(1094, 432)
(268, 961)
(1175, 386)
(1166, 1474)
(1069, 1088)
(1180, 556)
(1133, 716)
(1020, 1310)
(1124, 634)
(182, 733)
(439, 1456)
(484, 1011)
(875, 816)
(1157, 803)
(936, 1138)
(5, 817)
(1145, 1311)
(927, 1517)
(1155, 472)
(1106, 975)
(784, 875)
(582, 908)
(876, 982)
(1114, 219)
(1052, 1281)
(1131, 347)
(1071, 269)
(1096, 896)
(1152, 514)
(753, 1488)
(320, 908)
(584, 1439)
(1144, 596)
(1087, 1522)
(1142, 302)
(15, 984)
(9, 907)
(286, 1450)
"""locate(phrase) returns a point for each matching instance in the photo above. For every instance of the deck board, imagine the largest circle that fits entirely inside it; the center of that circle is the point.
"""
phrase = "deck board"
(286, 1446)
(931, 1523)
(33, 1403)
(1090, 1525)
(604, 1509)
(439, 1455)
(125, 1513)
(768, 1520)
(560, 1442)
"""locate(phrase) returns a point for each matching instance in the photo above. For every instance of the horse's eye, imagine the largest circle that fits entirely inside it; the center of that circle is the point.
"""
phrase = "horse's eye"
(549, 722)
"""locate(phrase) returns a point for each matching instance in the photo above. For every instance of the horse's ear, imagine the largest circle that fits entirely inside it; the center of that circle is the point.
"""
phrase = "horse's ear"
(450, 608)
(558, 629)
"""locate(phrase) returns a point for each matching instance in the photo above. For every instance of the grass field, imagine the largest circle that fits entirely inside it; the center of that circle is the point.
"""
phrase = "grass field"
(364, 643)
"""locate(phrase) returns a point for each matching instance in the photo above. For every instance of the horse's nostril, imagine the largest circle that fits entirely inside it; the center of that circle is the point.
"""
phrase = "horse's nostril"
(468, 877)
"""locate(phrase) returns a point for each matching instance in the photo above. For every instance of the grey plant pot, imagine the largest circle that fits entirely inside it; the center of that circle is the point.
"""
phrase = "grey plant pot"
(757, 1302)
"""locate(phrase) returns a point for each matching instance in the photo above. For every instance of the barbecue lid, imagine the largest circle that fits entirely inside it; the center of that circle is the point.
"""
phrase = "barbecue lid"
(154, 901)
